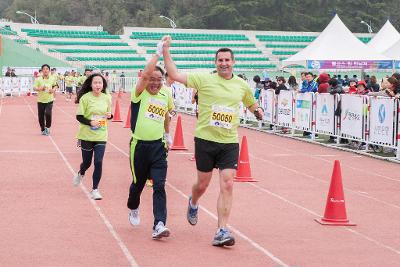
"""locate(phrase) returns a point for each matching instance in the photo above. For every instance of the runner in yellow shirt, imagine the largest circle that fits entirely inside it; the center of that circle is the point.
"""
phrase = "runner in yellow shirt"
(69, 83)
(216, 137)
(93, 112)
(151, 103)
(45, 85)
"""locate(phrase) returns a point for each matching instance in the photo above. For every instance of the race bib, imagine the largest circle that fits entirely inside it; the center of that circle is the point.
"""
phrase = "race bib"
(101, 119)
(155, 110)
(222, 116)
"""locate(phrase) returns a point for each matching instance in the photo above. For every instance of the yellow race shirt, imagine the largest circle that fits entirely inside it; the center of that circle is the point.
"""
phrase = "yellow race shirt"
(69, 80)
(148, 114)
(219, 101)
(49, 83)
(94, 108)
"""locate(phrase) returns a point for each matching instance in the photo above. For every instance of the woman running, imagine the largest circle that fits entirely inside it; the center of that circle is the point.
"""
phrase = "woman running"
(45, 85)
(93, 112)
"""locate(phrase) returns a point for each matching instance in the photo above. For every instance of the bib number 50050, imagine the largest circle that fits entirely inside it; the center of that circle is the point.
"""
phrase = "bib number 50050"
(222, 117)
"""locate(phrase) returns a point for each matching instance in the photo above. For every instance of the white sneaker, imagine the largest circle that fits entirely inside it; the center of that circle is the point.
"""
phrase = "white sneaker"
(76, 180)
(160, 231)
(96, 194)
(134, 218)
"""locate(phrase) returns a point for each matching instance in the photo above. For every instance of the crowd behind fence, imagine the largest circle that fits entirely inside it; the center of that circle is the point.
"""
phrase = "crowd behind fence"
(368, 120)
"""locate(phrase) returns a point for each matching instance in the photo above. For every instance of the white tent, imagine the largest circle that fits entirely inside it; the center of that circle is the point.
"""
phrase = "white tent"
(336, 43)
(393, 52)
(385, 38)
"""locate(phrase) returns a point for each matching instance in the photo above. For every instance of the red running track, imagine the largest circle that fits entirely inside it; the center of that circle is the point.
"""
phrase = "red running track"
(47, 222)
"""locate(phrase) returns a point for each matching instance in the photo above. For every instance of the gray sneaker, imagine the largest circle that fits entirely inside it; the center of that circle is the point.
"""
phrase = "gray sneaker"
(160, 231)
(76, 180)
(192, 213)
(223, 237)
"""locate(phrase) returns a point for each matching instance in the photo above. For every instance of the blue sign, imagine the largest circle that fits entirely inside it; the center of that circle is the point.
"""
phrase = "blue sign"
(382, 113)
(324, 109)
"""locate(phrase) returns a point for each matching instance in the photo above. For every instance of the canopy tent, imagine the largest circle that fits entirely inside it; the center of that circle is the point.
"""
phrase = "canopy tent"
(393, 52)
(338, 48)
(385, 38)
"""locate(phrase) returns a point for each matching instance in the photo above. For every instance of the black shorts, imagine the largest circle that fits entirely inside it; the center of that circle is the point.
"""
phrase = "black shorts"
(210, 155)
(89, 145)
(68, 89)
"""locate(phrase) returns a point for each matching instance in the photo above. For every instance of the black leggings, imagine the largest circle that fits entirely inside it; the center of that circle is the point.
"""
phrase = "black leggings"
(88, 149)
(44, 114)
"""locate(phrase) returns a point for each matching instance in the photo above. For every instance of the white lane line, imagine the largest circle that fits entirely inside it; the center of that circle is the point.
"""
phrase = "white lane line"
(323, 181)
(376, 242)
(212, 215)
(107, 222)
(368, 171)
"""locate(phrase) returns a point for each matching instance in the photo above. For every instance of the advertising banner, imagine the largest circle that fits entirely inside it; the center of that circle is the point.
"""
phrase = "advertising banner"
(325, 113)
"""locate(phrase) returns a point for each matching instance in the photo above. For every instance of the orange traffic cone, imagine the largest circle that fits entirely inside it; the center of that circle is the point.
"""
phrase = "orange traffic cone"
(178, 143)
(128, 119)
(335, 209)
(117, 112)
(119, 93)
(243, 173)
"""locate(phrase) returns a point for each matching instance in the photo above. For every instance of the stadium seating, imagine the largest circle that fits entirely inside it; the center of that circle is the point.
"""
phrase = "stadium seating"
(6, 30)
(94, 51)
(242, 45)
(194, 52)
(189, 36)
(105, 58)
(45, 42)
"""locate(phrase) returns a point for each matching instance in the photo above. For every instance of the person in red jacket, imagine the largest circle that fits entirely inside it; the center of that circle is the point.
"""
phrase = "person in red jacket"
(352, 88)
(362, 88)
(323, 83)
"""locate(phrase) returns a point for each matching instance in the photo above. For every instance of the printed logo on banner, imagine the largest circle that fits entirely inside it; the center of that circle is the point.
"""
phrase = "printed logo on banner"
(303, 104)
(324, 109)
(285, 110)
(351, 116)
(382, 113)
(324, 119)
(315, 64)
(381, 130)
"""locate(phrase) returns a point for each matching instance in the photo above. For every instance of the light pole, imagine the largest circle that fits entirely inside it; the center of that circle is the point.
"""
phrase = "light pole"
(368, 25)
(33, 19)
(171, 22)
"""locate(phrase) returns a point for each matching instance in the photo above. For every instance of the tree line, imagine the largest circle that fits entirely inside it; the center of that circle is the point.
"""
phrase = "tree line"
(269, 15)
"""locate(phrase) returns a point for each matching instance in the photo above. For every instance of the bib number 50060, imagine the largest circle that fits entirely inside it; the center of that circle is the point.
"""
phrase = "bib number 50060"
(221, 117)
(156, 110)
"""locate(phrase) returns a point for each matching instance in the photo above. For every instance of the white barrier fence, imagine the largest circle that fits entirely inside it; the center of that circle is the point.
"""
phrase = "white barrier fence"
(364, 119)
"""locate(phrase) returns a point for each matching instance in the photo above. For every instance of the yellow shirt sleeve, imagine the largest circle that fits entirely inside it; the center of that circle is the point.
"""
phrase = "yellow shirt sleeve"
(248, 98)
(194, 80)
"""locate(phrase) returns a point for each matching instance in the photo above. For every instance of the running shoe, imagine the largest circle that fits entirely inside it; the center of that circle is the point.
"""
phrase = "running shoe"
(47, 130)
(160, 231)
(192, 213)
(134, 218)
(223, 237)
(44, 132)
(96, 194)
(76, 180)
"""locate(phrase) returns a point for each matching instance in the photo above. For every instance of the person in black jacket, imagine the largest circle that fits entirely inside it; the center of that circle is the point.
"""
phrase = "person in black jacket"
(281, 85)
